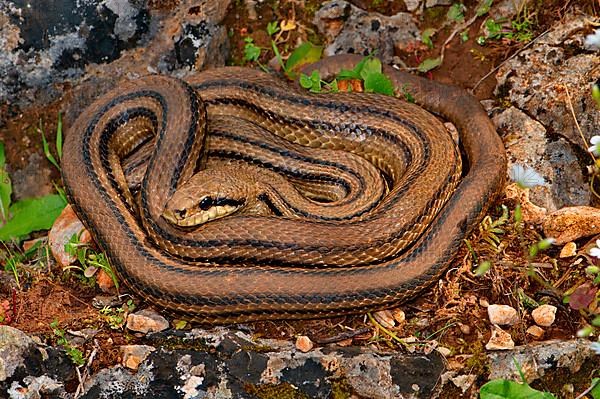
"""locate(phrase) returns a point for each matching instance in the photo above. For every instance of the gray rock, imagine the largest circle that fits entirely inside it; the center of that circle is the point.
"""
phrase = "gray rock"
(30, 369)
(350, 29)
(527, 143)
(435, 3)
(232, 365)
(412, 5)
(540, 358)
(537, 80)
(13, 345)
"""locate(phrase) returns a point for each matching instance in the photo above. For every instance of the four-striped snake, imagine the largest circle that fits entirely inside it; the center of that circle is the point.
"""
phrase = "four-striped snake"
(248, 266)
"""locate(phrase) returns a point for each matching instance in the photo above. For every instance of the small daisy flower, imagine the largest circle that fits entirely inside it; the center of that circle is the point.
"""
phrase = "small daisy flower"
(595, 346)
(595, 251)
(525, 176)
(595, 148)
(593, 41)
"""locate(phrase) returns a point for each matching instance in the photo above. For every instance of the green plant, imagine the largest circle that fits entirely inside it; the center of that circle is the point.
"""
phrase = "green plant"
(115, 317)
(368, 70)
(89, 260)
(58, 143)
(13, 261)
(74, 354)
(508, 389)
(19, 219)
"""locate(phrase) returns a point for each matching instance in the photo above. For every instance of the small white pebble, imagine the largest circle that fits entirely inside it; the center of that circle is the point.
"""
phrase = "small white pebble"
(304, 344)
(502, 315)
(544, 315)
(569, 250)
(500, 340)
(385, 318)
(536, 332)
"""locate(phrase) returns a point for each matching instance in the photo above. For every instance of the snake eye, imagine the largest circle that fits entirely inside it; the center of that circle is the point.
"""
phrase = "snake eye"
(206, 203)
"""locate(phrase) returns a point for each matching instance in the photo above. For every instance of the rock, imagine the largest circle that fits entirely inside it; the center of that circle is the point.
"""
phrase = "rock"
(146, 321)
(385, 318)
(133, 355)
(531, 212)
(502, 315)
(526, 144)
(537, 81)
(500, 340)
(37, 387)
(232, 364)
(541, 357)
(350, 29)
(412, 5)
(506, 9)
(66, 226)
(29, 368)
(535, 331)
(105, 282)
(544, 315)
(569, 250)
(571, 223)
(34, 180)
(464, 381)
(399, 316)
(304, 344)
(436, 3)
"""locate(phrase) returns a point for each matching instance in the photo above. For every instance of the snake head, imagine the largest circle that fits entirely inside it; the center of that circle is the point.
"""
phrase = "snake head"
(208, 195)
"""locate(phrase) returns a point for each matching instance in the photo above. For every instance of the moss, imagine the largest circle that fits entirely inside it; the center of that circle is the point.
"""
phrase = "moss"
(279, 391)
(257, 348)
(478, 362)
(341, 389)
(174, 343)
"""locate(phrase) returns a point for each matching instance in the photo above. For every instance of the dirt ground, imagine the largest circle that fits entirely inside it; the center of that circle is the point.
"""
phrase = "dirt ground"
(452, 312)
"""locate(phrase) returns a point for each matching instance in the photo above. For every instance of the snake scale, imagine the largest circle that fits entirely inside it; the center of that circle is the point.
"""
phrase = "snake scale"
(247, 267)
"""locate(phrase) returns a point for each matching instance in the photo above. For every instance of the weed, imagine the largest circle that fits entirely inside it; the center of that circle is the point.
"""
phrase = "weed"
(74, 354)
(116, 317)
(89, 260)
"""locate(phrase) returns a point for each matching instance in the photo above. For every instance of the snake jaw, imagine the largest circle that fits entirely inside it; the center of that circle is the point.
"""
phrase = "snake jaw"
(197, 216)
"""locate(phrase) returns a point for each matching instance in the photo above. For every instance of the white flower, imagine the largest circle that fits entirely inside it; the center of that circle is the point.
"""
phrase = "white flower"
(593, 41)
(525, 176)
(595, 148)
(595, 346)
(595, 251)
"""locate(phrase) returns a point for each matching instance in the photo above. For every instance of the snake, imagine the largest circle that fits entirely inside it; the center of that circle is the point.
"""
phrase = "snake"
(247, 267)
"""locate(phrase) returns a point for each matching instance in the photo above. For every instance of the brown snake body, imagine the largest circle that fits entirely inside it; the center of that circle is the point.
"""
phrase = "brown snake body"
(248, 268)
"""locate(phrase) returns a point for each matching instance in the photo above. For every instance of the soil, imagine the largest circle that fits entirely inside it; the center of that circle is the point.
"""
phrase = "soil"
(451, 312)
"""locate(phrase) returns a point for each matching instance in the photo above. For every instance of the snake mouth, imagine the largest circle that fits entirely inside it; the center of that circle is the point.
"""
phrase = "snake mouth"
(199, 217)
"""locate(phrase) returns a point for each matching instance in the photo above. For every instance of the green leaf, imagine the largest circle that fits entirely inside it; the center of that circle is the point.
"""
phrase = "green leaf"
(595, 392)
(272, 28)
(305, 81)
(370, 66)
(483, 268)
(46, 147)
(456, 11)
(251, 51)
(59, 137)
(32, 215)
(507, 389)
(426, 37)
(305, 53)
(429, 64)
(484, 7)
(377, 82)
(464, 36)
(5, 187)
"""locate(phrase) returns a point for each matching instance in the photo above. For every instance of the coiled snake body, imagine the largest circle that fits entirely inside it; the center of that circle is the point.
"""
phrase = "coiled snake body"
(247, 267)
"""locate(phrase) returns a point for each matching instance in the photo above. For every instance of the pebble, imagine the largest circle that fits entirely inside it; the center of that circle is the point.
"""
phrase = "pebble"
(500, 340)
(65, 226)
(133, 355)
(544, 315)
(502, 315)
(573, 222)
(304, 344)
(536, 332)
(146, 321)
(385, 318)
(105, 282)
(569, 250)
